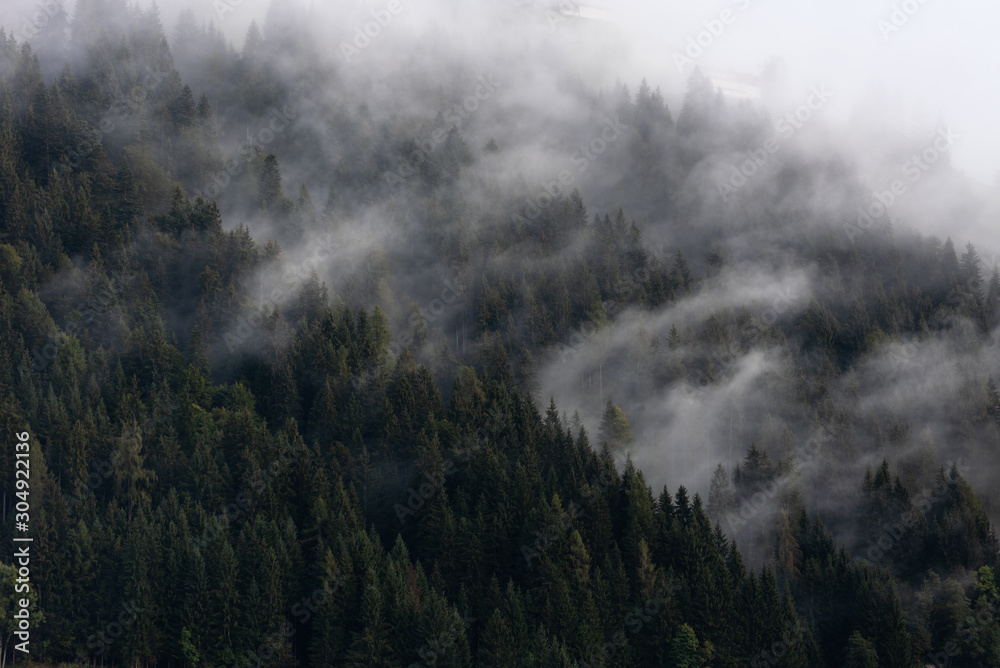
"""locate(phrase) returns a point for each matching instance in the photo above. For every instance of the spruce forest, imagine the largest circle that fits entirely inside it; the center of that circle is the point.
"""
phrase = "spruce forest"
(457, 342)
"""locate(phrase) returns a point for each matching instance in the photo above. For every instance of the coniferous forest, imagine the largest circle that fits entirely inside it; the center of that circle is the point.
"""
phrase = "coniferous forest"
(334, 351)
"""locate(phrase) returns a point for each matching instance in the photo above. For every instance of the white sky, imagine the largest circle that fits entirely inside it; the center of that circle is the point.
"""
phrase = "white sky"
(945, 59)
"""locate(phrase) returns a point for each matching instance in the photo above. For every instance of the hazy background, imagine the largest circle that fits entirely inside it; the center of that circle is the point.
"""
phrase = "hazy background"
(888, 90)
(942, 61)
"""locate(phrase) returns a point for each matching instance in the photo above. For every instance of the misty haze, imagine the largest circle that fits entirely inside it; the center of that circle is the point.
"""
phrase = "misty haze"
(405, 333)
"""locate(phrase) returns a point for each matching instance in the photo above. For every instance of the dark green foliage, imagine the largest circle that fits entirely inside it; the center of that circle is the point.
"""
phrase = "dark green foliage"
(225, 466)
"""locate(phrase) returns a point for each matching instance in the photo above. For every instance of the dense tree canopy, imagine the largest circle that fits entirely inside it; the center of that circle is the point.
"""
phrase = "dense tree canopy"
(235, 463)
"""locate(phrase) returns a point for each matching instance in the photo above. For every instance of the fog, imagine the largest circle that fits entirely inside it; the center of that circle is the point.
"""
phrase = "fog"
(938, 62)
(552, 81)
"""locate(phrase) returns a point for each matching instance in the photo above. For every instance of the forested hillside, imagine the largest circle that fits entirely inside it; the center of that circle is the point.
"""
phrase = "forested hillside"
(318, 371)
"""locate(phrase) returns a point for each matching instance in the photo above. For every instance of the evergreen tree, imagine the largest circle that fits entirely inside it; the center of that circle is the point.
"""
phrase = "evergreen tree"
(860, 653)
(269, 190)
(131, 477)
(684, 649)
(615, 429)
